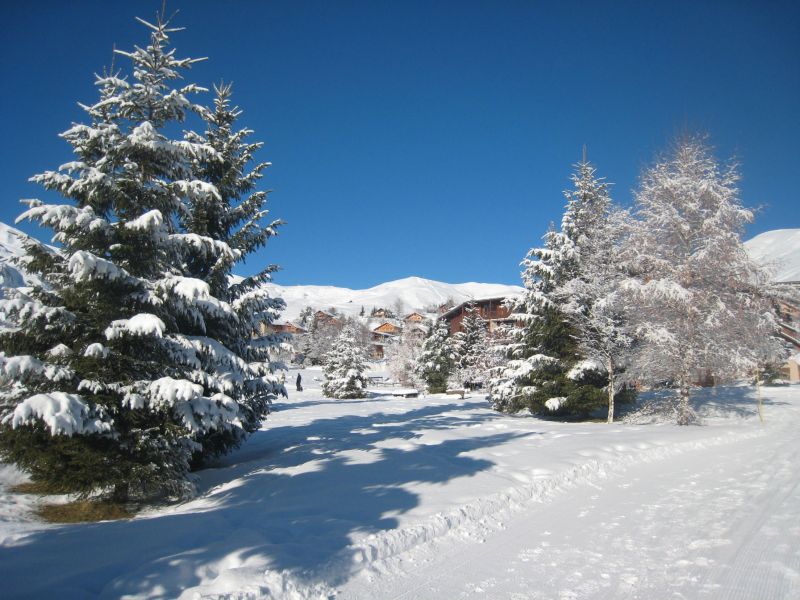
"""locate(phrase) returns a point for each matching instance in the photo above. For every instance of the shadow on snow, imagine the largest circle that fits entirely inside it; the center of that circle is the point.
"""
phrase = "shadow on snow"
(342, 482)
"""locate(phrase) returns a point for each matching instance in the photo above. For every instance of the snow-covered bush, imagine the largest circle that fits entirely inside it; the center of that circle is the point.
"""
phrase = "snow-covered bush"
(402, 358)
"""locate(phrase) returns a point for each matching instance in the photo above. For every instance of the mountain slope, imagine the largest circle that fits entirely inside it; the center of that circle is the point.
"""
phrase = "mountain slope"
(12, 247)
(778, 250)
(415, 293)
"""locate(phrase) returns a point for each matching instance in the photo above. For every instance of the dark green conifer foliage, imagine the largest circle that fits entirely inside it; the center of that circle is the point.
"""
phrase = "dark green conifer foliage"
(127, 361)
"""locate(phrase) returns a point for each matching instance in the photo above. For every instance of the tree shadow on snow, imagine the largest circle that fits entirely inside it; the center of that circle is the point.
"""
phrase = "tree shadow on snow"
(292, 497)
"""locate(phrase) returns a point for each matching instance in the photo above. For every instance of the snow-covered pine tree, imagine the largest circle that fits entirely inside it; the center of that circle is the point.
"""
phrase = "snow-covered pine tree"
(542, 352)
(591, 299)
(695, 282)
(234, 216)
(435, 360)
(105, 385)
(470, 350)
(344, 367)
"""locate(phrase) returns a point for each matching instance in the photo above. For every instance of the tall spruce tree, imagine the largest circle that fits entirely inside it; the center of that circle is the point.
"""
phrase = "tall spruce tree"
(235, 215)
(435, 361)
(110, 381)
(543, 353)
(591, 298)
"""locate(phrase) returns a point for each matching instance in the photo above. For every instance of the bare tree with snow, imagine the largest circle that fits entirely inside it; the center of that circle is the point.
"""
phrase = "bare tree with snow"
(694, 289)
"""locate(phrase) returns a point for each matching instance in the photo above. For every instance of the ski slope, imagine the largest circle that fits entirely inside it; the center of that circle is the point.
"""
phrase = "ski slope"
(439, 497)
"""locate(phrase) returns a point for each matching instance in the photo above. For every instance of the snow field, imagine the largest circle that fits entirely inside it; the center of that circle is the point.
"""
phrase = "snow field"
(335, 495)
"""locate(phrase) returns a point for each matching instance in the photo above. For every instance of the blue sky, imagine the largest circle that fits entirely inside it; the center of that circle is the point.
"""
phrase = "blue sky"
(434, 138)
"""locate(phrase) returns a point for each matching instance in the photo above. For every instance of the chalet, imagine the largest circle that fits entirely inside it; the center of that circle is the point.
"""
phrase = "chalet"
(388, 328)
(382, 336)
(379, 312)
(417, 331)
(789, 322)
(290, 328)
(287, 327)
(493, 311)
(323, 317)
(414, 317)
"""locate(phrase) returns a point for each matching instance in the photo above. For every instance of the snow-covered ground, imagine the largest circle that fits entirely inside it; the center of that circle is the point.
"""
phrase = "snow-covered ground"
(439, 497)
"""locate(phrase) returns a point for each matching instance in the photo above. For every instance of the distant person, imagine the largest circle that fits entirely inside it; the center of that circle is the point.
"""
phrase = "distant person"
(299, 383)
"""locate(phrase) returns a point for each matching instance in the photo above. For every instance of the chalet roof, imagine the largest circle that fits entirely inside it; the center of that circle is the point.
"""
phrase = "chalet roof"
(392, 325)
(329, 314)
(455, 310)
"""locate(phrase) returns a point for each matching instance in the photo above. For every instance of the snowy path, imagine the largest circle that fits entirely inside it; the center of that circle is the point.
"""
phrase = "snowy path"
(697, 525)
(440, 497)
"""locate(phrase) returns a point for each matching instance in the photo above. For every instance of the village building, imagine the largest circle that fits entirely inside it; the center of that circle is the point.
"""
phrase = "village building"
(416, 331)
(493, 311)
(323, 318)
(789, 322)
(286, 327)
(414, 317)
(381, 336)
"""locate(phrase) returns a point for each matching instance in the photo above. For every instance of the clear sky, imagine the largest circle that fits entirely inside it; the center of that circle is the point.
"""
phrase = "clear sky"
(434, 138)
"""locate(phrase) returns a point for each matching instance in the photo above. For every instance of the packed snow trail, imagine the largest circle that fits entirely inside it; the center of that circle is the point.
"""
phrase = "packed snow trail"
(718, 525)
(439, 497)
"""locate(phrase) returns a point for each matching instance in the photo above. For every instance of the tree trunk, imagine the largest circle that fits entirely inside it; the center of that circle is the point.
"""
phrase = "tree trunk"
(121, 493)
(611, 390)
(758, 394)
(683, 406)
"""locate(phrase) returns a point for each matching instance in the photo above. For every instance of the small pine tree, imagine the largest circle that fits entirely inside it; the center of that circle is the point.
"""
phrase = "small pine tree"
(344, 367)
(470, 349)
(435, 361)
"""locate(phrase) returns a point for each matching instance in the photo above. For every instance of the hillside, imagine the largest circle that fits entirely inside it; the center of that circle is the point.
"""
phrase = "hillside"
(12, 246)
(778, 250)
(415, 293)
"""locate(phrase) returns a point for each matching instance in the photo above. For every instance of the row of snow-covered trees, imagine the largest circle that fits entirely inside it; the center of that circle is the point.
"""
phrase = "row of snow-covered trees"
(653, 295)
(138, 358)
(661, 294)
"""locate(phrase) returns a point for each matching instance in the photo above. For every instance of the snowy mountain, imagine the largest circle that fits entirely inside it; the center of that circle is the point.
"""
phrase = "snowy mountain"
(12, 246)
(415, 294)
(780, 251)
